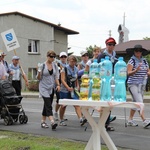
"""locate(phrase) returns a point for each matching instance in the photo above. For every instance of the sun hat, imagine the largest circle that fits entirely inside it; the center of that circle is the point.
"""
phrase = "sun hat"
(110, 40)
(83, 52)
(62, 54)
(15, 57)
(130, 51)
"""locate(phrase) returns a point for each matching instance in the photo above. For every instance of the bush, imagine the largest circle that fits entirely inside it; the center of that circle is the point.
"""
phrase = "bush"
(33, 85)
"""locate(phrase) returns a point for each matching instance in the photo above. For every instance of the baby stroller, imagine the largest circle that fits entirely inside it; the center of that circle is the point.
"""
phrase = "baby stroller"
(10, 104)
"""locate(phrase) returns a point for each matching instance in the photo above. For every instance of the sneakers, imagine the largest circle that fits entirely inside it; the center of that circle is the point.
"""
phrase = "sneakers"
(146, 123)
(44, 125)
(56, 116)
(112, 118)
(83, 121)
(62, 123)
(54, 125)
(132, 123)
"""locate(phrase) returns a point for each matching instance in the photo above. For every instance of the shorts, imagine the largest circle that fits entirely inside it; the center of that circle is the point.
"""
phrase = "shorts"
(64, 95)
(137, 92)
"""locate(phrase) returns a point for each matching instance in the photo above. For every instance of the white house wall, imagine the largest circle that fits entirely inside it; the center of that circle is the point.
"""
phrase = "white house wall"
(26, 28)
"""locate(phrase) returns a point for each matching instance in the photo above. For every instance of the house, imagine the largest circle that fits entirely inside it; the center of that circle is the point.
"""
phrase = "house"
(35, 37)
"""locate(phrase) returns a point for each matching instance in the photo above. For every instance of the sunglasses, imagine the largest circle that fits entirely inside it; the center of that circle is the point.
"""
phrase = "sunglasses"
(138, 50)
(63, 57)
(111, 44)
(85, 55)
(51, 56)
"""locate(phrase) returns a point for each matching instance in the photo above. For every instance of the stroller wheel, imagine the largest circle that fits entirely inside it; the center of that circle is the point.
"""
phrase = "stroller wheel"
(21, 119)
(25, 119)
(8, 120)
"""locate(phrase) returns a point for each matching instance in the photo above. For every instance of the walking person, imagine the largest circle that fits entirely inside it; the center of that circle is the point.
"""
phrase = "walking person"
(69, 81)
(96, 53)
(61, 64)
(17, 74)
(110, 52)
(82, 64)
(2, 70)
(48, 75)
(9, 73)
(138, 72)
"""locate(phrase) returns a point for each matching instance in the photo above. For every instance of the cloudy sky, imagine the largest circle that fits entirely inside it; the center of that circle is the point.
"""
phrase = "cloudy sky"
(91, 18)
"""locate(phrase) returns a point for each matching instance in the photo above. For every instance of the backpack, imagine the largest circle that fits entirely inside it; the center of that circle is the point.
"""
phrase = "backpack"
(69, 79)
(43, 69)
(133, 66)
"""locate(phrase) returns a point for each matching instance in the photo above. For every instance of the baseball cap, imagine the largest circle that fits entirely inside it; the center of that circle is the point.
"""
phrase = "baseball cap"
(110, 40)
(62, 54)
(15, 57)
(83, 52)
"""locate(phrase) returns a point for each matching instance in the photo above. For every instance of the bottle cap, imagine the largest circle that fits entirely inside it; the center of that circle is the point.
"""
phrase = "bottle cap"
(95, 60)
(107, 57)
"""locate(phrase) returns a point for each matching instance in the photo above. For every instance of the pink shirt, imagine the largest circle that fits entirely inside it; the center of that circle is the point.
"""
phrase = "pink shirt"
(2, 70)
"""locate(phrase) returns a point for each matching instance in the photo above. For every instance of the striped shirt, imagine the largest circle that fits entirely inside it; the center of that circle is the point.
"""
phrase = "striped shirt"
(138, 77)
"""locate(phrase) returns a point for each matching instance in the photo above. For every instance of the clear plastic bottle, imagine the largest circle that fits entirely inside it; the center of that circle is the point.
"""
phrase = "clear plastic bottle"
(105, 77)
(84, 88)
(100, 68)
(93, 68)
(120, 75)
(112, 83)
(96, 87)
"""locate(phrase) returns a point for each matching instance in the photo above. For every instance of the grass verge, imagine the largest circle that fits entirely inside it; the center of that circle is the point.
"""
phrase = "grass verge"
(20, 141)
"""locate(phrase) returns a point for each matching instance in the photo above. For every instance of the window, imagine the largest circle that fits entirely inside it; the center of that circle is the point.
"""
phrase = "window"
(32, 72)
(33, 46)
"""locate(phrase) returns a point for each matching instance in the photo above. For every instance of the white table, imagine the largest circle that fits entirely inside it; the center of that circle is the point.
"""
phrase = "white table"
(99, 129)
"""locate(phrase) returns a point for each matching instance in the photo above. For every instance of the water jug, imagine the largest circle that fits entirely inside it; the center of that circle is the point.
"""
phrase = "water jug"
(120, 75)
(105, 77)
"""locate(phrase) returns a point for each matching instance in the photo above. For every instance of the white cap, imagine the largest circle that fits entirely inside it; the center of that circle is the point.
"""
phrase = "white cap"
(15, 57)
(83, 52)
(62, 54)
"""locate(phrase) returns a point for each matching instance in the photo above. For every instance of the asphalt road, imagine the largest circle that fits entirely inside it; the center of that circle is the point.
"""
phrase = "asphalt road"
(133, 138)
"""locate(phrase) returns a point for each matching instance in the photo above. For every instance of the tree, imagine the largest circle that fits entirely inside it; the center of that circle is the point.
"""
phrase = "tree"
(90, 50)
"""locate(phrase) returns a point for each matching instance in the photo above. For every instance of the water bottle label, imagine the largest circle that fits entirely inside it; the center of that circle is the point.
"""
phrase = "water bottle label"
(122, 72)
(102, 72)
(108, 73)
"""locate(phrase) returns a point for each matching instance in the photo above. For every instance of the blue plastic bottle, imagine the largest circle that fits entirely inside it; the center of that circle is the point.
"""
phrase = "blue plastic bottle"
(120, 75)
(106, 74)
(100, 67)
(92, 71)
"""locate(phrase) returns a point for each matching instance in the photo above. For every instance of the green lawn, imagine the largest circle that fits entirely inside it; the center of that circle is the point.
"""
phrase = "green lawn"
(21, 141)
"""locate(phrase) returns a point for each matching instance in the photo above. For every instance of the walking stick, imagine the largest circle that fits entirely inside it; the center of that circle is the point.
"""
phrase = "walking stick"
(125, 117)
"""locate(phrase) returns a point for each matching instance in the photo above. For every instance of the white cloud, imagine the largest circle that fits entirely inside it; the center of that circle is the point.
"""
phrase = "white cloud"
(93, 19)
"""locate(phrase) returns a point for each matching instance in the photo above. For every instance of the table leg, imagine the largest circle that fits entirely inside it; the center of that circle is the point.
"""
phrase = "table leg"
(104, 134)
(94, 142)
